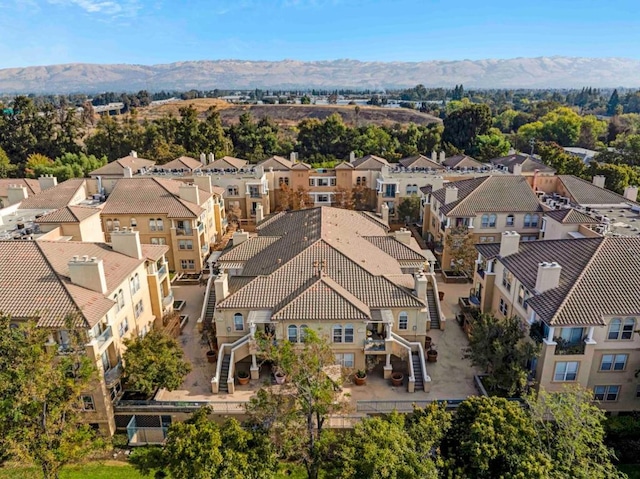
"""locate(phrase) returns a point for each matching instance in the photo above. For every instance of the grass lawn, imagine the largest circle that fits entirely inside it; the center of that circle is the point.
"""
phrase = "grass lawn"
(631, 470)
(94, 470)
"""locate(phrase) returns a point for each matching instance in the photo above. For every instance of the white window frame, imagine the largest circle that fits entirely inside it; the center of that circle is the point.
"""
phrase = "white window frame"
(88, 404)
(238, 326)
(564, 370)
(625, 329)
(504, 307)
(613, 362)
(605, 393)
(346, 360)
(293, 338)
(403, 321)
(511, 220)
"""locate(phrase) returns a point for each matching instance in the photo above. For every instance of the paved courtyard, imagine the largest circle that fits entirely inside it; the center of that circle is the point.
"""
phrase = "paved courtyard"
(452, 375)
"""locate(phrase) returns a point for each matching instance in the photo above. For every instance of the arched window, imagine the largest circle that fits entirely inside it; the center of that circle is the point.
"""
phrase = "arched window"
(116, 223)
(238, 322)
(364, 180)
(403, 321)
(358, 181)
(619, 329)
(337, 333)
(132, 285)
(527, 220)
(292, 333)
(492, 221)
(136, 282)
(159, 224)
(485, 221)
(115, 298)
(510, 220)
(303, 333)
(120, 299)
(409, 189)
(348, 333)
(133, 223)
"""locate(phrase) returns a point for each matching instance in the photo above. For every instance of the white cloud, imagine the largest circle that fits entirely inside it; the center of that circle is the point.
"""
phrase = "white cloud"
(113, 8)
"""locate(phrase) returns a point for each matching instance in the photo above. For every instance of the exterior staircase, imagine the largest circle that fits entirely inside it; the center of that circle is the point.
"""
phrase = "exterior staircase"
(417, 371)
(432, 305)
(224, 373)
(210, 308)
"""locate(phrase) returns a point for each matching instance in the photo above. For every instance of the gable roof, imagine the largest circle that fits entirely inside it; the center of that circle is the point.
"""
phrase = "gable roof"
(35, 283)
(583, 192)
(151, 195)
(68, 214)
(370, 162)
(182, 163)
(528, 163)
(116, 167)
(33, 186)
(278, 163)
(462, 161)
(490, 194)
(226, 163)
(344, 166)
(57, 197)
(570, 216)
(420, 161)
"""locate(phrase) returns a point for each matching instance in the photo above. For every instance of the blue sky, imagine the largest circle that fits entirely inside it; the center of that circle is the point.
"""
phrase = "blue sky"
(42, 32)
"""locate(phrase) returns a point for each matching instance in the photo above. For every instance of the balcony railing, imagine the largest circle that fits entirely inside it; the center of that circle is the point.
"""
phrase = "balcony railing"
(111, 376)
(104, 337)
(167, 300)
(374, 345)
(162, 271)
(184, 232)
(200, 227)
(565, 348)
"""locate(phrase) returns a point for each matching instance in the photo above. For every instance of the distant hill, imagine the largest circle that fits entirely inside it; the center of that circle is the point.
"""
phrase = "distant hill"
(542, 72)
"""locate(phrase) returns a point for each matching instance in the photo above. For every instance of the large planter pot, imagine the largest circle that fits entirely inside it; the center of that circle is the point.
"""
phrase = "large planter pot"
(427, 342)
(397, 379)
(441, 295)
(360, 381)
(212, 356)
(243, 378)
(432, 356)
(280, 378)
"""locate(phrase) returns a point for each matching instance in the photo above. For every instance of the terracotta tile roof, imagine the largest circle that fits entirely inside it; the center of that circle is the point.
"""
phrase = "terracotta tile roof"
(116, 167)
(68, 214)
(34, 281)
(370, 162)
(278, 163)
(583, 192)
(344, 165)
(570, 216)
(395, 248)
(154, 252)
(528, 163)
(150, 195)
(226, 163)
(462, 161)
(182, 163)
(490, 194)
(248, 249)
(33, 186)
(420, 161)
(54, 198)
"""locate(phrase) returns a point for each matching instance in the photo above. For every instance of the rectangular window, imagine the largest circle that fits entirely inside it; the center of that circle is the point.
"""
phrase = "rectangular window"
(238, 322)
(403, 322)
(566, 371)
(613, 362)
(606, 393)
(124, 327)
(346, 360)
(506, 279)
(333, 181)
(188, 264)
(337, 334)
(115, 391)
(139, 309)
(159, 241)
(348, 333)
(185, 244)
(87, 403)
(521, 295)
(504, 308)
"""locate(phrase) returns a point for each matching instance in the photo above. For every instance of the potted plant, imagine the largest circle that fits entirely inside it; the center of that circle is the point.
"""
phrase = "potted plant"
(360, 377)
(427, 342)
(212, 356)
(432, 355)
(243, 377)
(397, 379)
(280, 376)
(441, 295)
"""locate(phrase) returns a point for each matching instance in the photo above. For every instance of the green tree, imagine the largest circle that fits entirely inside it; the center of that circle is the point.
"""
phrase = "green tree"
(492, 145)
(617, 177)
(570, 428)
(6, 168)
(305, 100)
(491, 438)
(154, 361)
(69, 165)
(296, 416)
(500, 347)
(462, 127)
(564, 163)
(461, 246)
(614, 102)
(40, 397)
(409, 209)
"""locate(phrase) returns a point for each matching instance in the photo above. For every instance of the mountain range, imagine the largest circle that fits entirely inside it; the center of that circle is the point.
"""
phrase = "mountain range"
(541, 72)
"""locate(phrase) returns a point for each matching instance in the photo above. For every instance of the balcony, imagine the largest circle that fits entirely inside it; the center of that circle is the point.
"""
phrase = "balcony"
(104, 337)
(167, 301)
(566, 348)
(162, 271)
(374, 346)
(112, 375)
(184, 232)
(200, 227)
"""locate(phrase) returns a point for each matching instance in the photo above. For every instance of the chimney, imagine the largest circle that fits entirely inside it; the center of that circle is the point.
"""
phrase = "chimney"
(47, 181)
(88, 273)
(134, 153)
(127, 172)
(599, 180)
(211, 157)
(293, 157)
(450, 194)
(441, 157)
(384, 211)
(221, 286)
(517, 169)
(190, 193)
(259, 213)
(548, 276)
(403, 235)
(509, 243)
(203, 183)
(631, 193)
(434, 156)
(352, 157)
(239, 237)
(16, 194)
(203, 158)
(127, 241)
(420, 285)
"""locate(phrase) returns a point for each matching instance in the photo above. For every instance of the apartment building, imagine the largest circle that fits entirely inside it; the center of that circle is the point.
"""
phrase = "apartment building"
(72, 223)
(125, 167)
(581, 295)
(187, 217)
(112, 291)
(485, 207)
(14, 190)
(332, 270)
